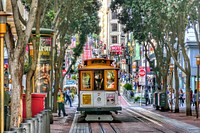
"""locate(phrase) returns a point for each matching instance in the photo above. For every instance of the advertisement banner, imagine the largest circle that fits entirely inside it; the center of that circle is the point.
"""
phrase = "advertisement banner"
(110, 99)
(137, 51)
(42, 74)
(87, 98)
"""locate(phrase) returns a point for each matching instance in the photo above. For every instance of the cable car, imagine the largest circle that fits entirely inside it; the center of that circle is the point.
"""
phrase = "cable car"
(98, 89)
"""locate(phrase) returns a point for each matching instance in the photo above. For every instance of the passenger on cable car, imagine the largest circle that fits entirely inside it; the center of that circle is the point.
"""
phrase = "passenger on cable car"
(98, 81)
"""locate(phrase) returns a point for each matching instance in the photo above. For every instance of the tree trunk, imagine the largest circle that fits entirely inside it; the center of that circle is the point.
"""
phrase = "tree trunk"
(16, 96)
(28, 94)
(56, 86)
(166, 108)
(188, 102)
(177, 89)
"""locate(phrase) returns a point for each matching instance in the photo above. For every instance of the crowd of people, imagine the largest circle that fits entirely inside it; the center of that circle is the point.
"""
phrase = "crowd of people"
(182, 97)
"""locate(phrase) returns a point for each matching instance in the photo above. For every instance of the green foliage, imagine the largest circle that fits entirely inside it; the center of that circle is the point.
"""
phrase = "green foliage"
(74, 77)
(71, 71)
(128, 86)
(137, 98)
(147, 17)
(26, 67)
(155, 20)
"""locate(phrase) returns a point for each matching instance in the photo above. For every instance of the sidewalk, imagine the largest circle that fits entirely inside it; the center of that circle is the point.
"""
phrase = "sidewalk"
(181, 116)
(63, 124)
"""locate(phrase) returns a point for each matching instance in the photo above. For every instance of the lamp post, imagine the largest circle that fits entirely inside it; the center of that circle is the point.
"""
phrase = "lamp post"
(171, 67)
(197, 95)
(3, 20)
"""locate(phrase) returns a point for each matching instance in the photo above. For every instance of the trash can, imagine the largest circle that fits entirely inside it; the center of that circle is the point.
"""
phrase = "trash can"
(162, 101)
(38, 103)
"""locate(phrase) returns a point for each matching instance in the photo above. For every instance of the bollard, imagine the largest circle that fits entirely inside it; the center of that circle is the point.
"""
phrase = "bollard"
(26, 127)
(44, 119)
(50, 116)
(39, 119)
(47, 121)
(35, 124)
(31, 122)
(17, 130)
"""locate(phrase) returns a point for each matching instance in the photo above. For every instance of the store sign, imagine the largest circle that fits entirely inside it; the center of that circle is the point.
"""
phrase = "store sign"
(116, 49)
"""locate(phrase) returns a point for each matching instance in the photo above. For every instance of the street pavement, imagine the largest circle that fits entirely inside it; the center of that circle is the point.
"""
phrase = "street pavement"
(189, 123)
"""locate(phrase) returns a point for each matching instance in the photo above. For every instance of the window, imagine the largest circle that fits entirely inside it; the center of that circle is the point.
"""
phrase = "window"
(114, 15)
(110, 80)
(86, 80)
(114, 27)
(114, 39)
(98, 80)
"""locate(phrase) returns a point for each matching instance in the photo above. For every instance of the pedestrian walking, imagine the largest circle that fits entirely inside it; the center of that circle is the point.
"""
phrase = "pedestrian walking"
(60, 101)
(68, 97)
(191, 97)
(195, 98)
(146, 96)
(181, 94)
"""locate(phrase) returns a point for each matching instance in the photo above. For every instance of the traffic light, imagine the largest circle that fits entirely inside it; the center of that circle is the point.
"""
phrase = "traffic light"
(64, 64)
(5, 69)
(154, 81)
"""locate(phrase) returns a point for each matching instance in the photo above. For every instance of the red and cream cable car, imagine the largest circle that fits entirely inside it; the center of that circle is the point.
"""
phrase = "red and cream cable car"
(98, 89)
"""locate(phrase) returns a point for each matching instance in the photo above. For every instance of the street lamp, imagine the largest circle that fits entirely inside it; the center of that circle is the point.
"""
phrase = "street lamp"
(3, 20)
(171, 67)
(197, 95)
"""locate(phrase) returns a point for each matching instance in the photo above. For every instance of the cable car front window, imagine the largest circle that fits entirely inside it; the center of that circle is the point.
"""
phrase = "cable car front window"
(98, 80)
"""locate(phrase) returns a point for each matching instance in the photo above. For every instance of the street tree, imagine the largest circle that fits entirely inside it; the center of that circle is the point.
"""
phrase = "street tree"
(177, 22)
(32, 61)
(194, 18)
(145, 20)
(71, 18)
(16, 52)
(163, 22)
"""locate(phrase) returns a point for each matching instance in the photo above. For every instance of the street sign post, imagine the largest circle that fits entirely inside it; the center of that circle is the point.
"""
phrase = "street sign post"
(142, 77)
(142, 72)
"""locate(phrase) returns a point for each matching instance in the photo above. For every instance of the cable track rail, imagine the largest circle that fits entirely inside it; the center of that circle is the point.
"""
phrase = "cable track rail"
(152, 122)
(102, 127)
(81, 126)
(128, 120)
